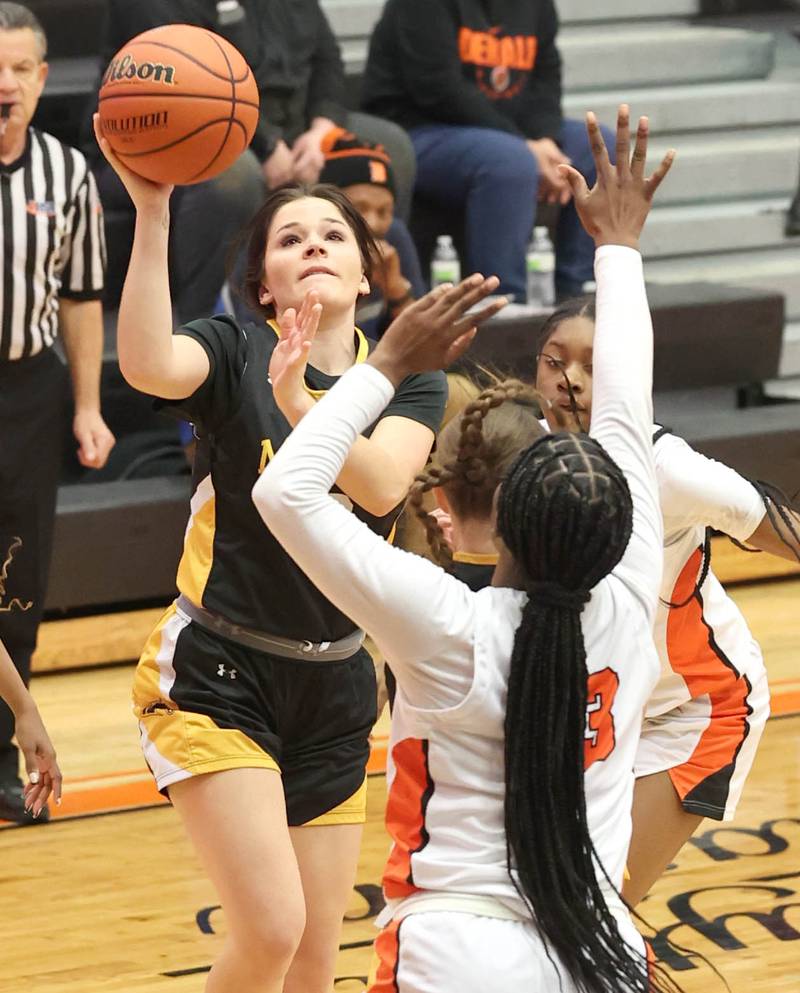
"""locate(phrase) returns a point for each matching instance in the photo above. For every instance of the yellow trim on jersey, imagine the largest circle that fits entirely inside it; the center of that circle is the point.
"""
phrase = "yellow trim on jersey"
(147, 677)
(198, 546)
(351, 811)
(361, 353)
(180, 741)
(476, 558)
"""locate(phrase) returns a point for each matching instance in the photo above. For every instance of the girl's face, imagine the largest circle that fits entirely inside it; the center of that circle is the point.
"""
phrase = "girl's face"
(568, 351)
(310, 246)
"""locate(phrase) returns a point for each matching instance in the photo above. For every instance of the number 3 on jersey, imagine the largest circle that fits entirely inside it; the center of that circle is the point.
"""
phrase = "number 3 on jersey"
(267, 454)
(599, 737)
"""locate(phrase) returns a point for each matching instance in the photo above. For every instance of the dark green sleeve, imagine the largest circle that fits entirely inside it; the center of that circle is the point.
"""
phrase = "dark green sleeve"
(420, 398)
(213, 402)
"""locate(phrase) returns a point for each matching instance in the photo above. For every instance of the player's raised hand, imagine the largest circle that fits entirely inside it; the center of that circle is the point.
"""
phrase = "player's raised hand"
(437, 329)
(613, 212)
(287, 366)
(145, 194)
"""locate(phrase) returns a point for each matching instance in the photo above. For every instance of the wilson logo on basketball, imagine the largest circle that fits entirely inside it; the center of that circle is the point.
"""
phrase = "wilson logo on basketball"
(128, 68)
(136, 123)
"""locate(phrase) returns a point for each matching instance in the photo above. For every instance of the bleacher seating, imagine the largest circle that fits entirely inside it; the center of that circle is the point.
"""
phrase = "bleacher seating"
(728, 99)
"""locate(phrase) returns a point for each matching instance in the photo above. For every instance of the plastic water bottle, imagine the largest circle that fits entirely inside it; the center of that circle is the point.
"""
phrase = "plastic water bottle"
(229, 12)
(445, 266)
(540, 265)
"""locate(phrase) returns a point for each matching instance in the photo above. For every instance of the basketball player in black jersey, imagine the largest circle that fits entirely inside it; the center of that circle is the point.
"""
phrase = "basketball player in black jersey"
(254, 694)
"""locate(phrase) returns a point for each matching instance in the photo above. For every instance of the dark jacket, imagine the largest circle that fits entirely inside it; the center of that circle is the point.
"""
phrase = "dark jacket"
(479, 63)
(288, 44)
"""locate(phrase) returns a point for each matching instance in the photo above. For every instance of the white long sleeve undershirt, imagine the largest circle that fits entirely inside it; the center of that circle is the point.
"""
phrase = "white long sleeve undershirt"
(421, 617)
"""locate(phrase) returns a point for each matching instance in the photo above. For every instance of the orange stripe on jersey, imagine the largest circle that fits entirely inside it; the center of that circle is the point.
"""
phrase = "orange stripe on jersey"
(695, 655)
(406, 805)
(387, 952)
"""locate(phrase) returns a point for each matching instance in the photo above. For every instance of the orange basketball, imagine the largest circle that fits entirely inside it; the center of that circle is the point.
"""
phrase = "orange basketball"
(178, 104)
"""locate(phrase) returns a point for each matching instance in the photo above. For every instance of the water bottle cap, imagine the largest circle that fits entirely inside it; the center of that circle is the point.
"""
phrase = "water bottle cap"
(444, 239)
(541, 231)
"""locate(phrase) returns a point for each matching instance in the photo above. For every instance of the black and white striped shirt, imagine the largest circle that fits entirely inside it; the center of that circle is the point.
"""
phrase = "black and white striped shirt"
(51, 242)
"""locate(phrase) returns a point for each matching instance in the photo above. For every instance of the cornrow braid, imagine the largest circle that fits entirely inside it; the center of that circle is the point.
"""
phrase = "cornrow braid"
(566, 515)
(473, 453)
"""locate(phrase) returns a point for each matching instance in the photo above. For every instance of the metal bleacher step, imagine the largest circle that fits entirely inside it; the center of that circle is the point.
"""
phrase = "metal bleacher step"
(730, 165)
(700, 107)
(583, 11)
(356, 18)
(603, 57)
(790, 356)
(715, 227)
(776, 270)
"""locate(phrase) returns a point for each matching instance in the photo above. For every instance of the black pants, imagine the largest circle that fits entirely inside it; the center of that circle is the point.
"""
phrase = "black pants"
(32, 395)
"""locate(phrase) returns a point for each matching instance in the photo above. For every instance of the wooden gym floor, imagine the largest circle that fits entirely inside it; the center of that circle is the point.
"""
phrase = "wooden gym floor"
(109, 897)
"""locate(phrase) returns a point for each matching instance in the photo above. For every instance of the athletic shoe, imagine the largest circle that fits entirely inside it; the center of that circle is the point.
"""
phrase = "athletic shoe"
(12, 806)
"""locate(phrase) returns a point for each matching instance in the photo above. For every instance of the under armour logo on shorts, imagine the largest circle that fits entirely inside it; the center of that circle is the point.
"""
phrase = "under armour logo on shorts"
(222, 672)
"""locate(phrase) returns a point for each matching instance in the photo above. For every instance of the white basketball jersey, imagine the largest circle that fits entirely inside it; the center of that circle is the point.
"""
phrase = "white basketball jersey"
(446, 774)
(704, 646)
(450, 648)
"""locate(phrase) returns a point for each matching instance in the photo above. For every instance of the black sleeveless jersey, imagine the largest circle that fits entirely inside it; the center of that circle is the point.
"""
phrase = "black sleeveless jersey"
(231, 563)
(474, 570)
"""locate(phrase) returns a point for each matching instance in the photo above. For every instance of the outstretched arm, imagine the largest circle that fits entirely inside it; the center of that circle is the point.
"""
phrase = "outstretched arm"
(614, 213)
(697, 490)
(151, 358)
(419, 616)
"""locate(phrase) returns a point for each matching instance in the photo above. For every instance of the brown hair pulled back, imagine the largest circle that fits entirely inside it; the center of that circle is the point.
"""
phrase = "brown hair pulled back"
(255, 236)
(473, 453)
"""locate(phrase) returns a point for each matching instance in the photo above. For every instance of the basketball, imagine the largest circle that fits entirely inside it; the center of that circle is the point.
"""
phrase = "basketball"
(178, 104)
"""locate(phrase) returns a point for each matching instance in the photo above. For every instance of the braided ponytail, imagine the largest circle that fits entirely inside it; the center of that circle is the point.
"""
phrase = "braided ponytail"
(473, 452)
(565, 514)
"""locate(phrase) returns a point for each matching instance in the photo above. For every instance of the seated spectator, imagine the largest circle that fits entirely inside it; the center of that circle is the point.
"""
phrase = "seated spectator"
(364, 172)
(296, 61)
(477, 84)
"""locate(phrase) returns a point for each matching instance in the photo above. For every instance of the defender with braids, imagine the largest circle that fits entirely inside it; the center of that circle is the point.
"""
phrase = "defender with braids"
(518, 708)
(705, 718)
(473, 453)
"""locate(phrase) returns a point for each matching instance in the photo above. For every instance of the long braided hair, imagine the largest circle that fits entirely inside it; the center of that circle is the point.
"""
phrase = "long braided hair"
(565, 514)
(472, 455)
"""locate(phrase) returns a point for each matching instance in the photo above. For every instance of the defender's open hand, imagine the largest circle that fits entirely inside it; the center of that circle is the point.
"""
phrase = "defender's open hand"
(436, 330)
(613, 212)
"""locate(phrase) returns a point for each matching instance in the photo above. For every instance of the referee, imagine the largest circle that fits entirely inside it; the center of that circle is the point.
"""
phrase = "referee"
(51, 245)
